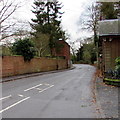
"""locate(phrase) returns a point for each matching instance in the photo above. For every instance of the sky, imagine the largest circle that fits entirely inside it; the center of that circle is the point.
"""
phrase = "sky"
(73, 10)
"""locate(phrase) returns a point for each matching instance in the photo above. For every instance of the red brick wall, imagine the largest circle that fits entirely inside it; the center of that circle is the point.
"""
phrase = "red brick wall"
(15, 65)
(64, 51)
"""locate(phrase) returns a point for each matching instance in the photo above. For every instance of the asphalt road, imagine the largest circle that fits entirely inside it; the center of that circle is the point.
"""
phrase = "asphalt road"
(66, 94)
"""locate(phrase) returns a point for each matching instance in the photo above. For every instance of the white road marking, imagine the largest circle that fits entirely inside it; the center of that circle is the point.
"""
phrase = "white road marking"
(6, 97)
(32, 87)
(46, 89)
(38, 88)
(14, 104)
(20, 95)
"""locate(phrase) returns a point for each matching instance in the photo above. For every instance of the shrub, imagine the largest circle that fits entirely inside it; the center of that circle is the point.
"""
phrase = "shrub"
(25, 48)
(117, 60)
(116, 72)
(6, 50)
(117, 67)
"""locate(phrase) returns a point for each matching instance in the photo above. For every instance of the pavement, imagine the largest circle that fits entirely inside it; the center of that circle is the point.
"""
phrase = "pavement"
(107, 99)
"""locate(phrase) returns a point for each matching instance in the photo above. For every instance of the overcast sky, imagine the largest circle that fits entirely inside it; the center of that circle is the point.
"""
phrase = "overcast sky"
(73, 10)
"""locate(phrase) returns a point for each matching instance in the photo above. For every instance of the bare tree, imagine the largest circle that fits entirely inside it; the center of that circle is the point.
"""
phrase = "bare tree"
(41, 42)
(7, 9)
(90, 19)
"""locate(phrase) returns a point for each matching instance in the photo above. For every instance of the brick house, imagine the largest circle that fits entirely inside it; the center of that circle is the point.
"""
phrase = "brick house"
(64, 51)
(109, 43)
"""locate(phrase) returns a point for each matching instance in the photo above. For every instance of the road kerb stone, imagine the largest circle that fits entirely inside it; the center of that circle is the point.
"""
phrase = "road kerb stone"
(7, 79)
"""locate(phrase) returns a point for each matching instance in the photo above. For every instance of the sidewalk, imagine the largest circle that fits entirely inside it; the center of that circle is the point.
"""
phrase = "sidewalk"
(11, 78)
(107, 97)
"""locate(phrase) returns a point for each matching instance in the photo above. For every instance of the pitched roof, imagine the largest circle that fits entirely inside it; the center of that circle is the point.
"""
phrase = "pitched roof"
(109, 27)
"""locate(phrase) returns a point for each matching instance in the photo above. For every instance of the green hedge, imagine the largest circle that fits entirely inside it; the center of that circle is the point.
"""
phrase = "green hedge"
(115, 82)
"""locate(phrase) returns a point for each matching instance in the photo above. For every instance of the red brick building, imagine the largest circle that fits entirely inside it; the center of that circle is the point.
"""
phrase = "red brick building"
(64, 51)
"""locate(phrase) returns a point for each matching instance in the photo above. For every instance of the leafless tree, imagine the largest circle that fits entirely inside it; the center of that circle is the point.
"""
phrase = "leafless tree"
(7, 8)
(72, 47)
(90, 22)
(41, 42)
(90, 19)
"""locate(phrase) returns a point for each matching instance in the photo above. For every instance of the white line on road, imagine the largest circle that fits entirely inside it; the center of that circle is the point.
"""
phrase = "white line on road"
(20, 95)
(46, 88)
(6, 97)
(32, 87)
(14, 104)
(38, 88)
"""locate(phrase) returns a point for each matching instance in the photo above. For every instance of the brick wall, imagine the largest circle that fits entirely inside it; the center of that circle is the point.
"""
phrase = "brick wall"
(15, 65)
(64, 51)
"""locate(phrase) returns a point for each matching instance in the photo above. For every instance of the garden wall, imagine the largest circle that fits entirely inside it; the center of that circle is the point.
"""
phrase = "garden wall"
(15, 65)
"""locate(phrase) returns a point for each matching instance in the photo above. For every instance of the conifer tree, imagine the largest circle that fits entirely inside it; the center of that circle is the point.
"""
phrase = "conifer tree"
(108, 10)
(48, 21)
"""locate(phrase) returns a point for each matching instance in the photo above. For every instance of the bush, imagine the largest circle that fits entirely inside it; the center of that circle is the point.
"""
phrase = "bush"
(25, 48)
(116, 72)
(117, 60)
(117, 67)
(6, 50)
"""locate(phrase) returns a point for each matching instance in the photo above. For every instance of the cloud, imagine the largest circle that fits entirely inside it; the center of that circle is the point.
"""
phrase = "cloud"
(73, 10)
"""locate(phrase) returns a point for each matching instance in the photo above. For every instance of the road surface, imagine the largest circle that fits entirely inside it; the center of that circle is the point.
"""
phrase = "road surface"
(66, 94)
